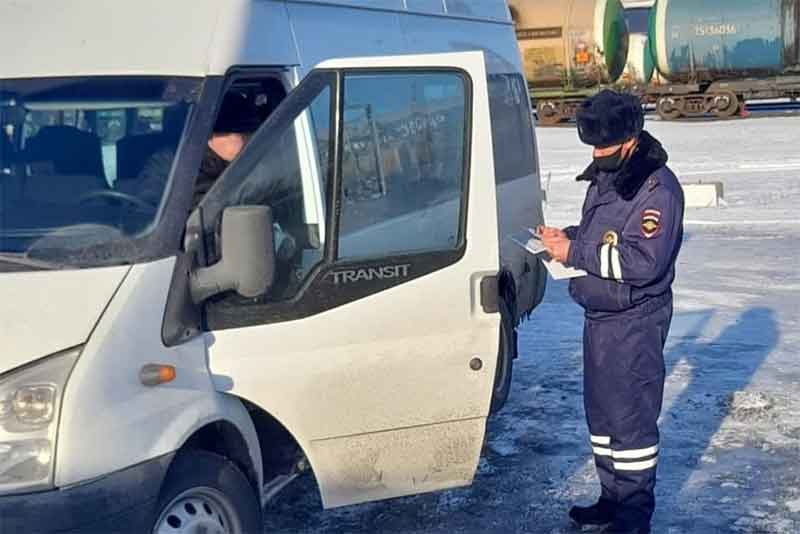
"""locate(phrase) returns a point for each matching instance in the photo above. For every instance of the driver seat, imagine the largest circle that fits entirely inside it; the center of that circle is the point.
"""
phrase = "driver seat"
(77, 160)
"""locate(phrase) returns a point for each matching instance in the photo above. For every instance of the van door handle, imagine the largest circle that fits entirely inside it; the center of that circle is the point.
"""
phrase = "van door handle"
(490, 294)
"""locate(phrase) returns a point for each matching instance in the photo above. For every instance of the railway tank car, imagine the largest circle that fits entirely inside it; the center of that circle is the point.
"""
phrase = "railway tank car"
(570, 49)
(718, 53)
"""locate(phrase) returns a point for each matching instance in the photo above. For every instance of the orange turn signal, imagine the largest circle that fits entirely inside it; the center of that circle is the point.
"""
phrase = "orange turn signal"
(155, 374)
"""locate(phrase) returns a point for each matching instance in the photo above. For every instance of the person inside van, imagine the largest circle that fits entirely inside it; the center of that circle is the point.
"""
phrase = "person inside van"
(240, 115)
(236, 122)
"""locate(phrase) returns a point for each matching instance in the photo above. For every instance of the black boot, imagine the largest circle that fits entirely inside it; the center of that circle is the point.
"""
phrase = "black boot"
(599, 514)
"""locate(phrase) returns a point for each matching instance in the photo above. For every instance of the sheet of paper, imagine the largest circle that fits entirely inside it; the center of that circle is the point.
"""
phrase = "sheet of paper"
(534, 233)
(528, 241)
(559, 271)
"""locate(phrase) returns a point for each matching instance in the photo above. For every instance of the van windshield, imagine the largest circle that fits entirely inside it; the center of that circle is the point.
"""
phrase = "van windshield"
(84, 165)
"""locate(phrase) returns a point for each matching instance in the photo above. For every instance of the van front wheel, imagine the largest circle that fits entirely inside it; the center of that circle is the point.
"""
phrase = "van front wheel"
(206, 493)
(507, 351)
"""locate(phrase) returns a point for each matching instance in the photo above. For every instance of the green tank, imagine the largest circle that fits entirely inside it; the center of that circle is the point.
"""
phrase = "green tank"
(713, 40)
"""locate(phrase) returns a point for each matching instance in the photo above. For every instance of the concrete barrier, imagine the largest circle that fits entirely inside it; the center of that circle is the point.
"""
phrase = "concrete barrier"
(703, 195)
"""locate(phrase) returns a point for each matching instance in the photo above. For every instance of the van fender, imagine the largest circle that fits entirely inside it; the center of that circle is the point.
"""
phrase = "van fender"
(231, 411)
(166, 422)
(110, 420)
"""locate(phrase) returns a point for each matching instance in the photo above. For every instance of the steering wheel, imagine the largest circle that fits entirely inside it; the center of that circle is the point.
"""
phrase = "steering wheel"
(117, 195)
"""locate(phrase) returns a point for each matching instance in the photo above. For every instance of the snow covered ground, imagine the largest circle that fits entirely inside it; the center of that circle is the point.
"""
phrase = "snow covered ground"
(730, 460)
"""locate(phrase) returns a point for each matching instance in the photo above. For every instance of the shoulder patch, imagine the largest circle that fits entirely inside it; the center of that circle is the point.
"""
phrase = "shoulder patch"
(651, 223)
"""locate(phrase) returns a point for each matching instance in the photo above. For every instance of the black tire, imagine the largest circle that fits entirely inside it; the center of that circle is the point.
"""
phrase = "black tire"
(506, 353)
(195, 476)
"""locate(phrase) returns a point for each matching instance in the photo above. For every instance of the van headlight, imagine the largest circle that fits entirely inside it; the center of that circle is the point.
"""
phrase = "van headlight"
(30, 404)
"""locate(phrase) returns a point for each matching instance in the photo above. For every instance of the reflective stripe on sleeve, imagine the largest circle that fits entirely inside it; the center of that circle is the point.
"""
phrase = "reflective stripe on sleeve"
(616, 266)
(604, 266)
(601, 451)
(636, 466)
(601, 440)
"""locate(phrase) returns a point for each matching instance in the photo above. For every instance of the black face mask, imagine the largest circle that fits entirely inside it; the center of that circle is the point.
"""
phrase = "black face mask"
(611, 163)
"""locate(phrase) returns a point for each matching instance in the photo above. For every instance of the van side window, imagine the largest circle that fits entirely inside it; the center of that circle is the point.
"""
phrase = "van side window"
(294, 188)
(402, 164)
(512, 127)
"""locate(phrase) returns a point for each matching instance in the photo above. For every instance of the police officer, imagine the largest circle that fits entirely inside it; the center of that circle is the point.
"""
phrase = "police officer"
(628, 241)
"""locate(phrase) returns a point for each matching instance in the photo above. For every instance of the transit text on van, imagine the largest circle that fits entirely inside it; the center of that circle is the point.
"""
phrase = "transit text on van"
(386, 272)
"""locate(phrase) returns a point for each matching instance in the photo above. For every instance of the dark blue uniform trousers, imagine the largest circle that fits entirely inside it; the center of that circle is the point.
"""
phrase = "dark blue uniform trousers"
(623, 392)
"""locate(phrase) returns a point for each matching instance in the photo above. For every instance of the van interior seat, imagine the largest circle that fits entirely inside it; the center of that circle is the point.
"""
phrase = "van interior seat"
(77, 160)
(133, 153)
(72, 151)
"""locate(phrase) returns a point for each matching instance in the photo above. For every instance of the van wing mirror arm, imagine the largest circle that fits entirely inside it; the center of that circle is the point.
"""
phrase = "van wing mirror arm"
(194, 242)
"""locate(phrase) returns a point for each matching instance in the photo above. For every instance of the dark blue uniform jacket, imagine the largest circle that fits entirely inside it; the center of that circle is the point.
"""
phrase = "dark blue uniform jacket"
(629, 236)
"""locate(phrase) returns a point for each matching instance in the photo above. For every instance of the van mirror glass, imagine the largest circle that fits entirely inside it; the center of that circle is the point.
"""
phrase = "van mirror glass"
(247, 264)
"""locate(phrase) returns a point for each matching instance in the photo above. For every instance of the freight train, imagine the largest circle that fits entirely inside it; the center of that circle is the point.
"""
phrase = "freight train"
(707, 57)
(716, 54)
(570, 49)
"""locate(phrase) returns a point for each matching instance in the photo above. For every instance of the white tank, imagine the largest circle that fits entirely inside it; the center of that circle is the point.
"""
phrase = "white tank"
(640, 65)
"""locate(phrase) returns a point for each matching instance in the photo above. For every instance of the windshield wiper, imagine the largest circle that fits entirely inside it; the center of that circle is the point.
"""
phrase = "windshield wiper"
(25, 261)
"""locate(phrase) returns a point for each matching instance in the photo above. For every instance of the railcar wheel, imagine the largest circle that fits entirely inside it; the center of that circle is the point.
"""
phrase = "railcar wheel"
(669, 108)
(549, 113)
(726, 105)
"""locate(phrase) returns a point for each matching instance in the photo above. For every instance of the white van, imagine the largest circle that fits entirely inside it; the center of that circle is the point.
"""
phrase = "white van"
(341, 300)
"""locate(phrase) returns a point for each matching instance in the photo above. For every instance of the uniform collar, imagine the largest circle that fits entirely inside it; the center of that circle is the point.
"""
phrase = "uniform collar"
(604, 182)
(648, 157)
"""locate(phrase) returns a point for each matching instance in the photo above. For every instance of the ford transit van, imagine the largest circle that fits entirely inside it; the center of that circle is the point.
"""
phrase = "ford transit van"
(339, 300)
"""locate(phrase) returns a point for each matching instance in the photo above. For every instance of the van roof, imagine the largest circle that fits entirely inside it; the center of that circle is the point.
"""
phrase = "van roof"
(177, 37)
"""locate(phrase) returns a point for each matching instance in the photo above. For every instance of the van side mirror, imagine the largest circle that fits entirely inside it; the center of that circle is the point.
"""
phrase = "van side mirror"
(247, 265)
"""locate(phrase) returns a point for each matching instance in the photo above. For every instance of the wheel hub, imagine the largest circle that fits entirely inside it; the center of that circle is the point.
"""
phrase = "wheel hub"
(198, 511)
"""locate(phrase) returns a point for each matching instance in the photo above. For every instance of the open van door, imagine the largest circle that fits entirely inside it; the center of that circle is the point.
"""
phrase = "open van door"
(377, 344)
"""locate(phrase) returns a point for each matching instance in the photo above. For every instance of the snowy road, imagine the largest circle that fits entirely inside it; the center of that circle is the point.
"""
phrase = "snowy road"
(730, 458)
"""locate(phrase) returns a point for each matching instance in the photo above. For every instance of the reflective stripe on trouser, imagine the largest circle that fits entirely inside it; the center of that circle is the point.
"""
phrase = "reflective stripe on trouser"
(623, 391)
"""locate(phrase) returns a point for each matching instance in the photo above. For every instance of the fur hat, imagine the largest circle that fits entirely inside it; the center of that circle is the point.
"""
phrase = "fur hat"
(609, 119)
(237, 114)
